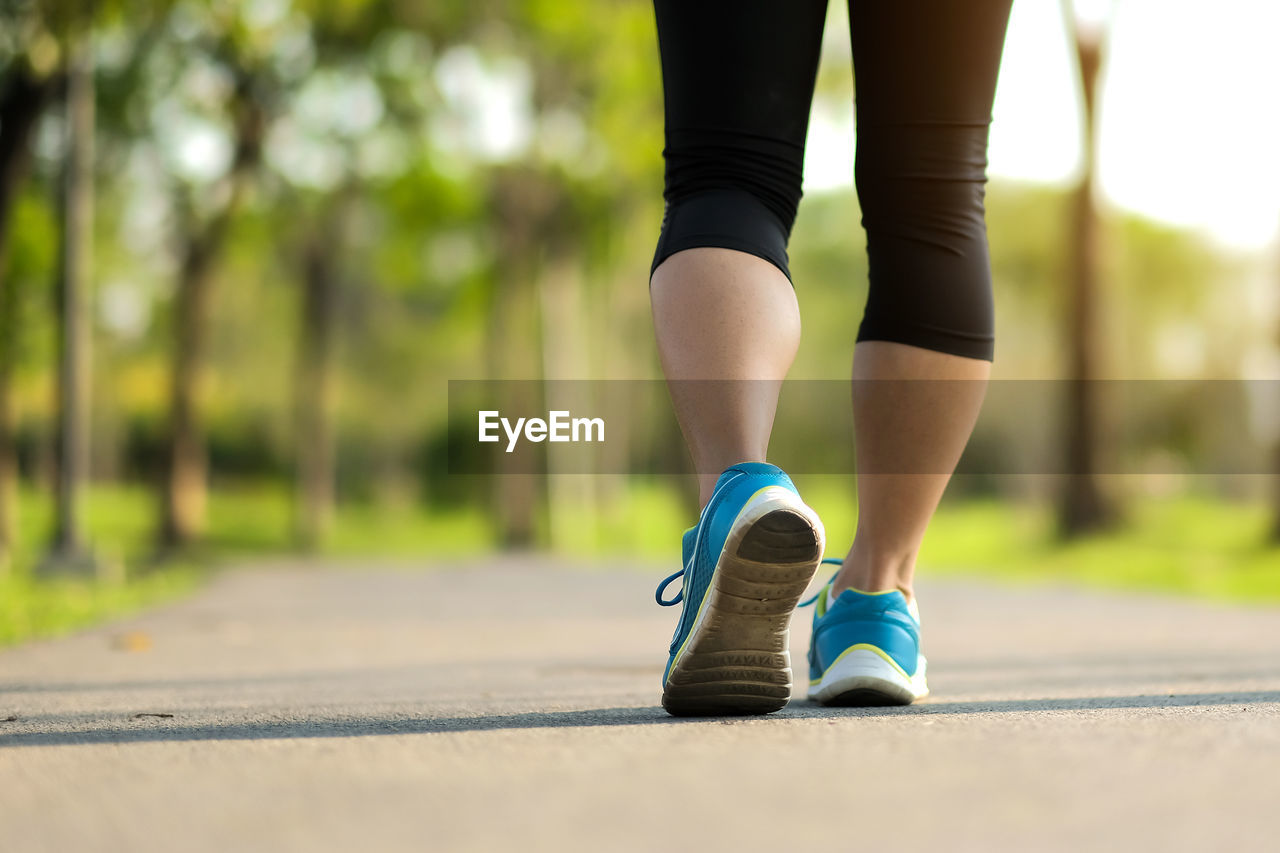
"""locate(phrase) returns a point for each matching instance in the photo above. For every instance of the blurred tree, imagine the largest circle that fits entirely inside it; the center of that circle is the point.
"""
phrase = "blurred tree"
(360, 109)
(1274, 532)
(68, 552)
(31, 80)
(519, 201)
(36, 46)
(322, 266)
(239, 55)
(441, 190)
(1083, 505)
(186, 480)
(588, 171)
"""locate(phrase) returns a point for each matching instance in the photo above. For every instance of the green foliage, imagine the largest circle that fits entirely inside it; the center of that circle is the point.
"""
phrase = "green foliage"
(374, 110)
(24, 338)
(829, 267)
(244, 520)
(31, 609)
(1189, 545)
(1027, 228)
(1193, 545)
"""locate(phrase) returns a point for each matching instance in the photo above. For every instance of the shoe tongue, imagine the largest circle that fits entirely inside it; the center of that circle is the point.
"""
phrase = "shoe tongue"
(914, 610)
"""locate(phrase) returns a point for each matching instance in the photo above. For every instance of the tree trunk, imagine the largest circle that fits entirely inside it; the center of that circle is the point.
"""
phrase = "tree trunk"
(565, 366)
(68, 553)
(23, 100)
(185, 486)
(314, 393)
(521, 200)
(184, 504)
(517, 482)
(8, 459)
(1273, 535)
(1084, 506)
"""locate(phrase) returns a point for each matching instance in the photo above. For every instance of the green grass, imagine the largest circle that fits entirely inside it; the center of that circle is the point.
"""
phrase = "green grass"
(410, 531)
(1189, 545)
(32, 608)
(1196, 546)
(120, 524)
(642, 521)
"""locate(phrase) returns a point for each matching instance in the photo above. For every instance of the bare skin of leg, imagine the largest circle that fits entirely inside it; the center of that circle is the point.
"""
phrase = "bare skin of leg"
(720, 314)
(725, 315)
(913, 411)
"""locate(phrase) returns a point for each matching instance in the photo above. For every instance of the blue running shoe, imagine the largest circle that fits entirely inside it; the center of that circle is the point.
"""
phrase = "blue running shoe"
(865, 649)
(747, 562)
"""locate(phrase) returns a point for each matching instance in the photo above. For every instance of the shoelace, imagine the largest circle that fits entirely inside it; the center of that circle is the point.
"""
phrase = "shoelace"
(835, 561)
(657, 594)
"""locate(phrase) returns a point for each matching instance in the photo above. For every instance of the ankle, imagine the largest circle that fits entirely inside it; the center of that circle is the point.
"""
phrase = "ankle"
(710, 475)
(879, 573)
(841, 584)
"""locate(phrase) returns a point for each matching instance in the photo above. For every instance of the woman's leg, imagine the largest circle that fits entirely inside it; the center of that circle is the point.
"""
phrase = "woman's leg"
(913, 411)
(728, 327)
(926, 74)
(738, 79)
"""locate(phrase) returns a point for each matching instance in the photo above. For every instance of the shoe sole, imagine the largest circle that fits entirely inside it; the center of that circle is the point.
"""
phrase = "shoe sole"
(736, 659)
(862, 678)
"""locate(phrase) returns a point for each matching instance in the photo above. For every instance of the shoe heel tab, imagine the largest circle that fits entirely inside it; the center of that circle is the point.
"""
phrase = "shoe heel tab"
(756, 468)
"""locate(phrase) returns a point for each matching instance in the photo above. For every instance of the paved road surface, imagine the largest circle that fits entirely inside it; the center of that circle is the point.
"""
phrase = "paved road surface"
(514, 706)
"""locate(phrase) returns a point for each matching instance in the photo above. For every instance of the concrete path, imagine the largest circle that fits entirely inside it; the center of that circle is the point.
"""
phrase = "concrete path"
(513, 705)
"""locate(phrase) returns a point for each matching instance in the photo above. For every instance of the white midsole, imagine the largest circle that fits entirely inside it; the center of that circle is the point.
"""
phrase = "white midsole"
(863, 669)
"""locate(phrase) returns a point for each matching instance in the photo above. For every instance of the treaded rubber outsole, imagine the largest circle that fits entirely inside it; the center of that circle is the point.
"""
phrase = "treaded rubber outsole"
(737, 661)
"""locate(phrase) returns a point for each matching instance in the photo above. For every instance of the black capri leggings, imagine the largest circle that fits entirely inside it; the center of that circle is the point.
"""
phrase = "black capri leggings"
(738, 78)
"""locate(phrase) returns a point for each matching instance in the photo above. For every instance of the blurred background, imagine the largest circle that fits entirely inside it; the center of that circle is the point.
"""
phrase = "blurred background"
(245, 245)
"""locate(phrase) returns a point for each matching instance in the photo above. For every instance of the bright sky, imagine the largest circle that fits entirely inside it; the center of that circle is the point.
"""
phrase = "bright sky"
(1190, 121)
